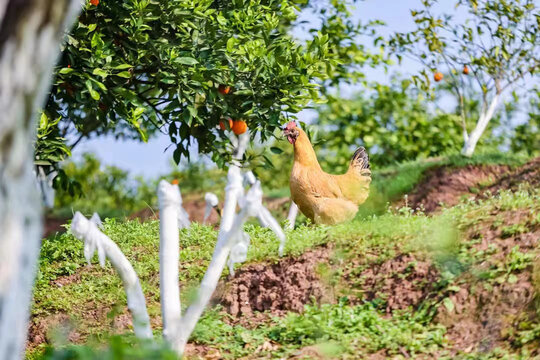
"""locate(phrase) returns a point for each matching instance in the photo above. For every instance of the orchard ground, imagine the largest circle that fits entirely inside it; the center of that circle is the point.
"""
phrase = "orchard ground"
(452, 270)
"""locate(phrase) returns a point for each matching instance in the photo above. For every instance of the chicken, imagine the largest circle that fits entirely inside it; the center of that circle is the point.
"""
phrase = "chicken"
(322, 197)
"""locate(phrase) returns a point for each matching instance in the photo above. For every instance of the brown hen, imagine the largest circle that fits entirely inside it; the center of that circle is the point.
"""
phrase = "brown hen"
(323, 197)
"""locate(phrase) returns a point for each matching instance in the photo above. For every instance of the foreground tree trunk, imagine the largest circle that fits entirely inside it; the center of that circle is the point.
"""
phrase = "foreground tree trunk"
(30, 34)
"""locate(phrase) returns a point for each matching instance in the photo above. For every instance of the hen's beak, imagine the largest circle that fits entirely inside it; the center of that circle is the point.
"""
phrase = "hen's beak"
(288, 134)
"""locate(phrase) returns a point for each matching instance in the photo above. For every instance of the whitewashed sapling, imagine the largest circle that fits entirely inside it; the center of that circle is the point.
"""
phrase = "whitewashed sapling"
(88, 232)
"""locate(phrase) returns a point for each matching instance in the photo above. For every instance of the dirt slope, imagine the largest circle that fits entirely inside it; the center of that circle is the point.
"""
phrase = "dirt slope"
(448, 185)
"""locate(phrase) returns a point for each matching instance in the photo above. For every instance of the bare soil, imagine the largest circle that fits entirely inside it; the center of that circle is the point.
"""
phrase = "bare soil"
(194, 207)
(526, 174)
(402, 282)
(50, 328)
(447, 186)
(284, 286)
(53, 225)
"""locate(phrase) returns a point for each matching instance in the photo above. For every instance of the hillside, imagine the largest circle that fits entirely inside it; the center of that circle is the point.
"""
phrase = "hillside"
(451, 271)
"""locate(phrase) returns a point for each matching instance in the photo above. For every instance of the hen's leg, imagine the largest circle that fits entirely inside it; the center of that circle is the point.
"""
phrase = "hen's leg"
(333, 211)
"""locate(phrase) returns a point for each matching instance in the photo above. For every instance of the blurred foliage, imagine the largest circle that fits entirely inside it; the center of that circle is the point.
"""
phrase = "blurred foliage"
(395, 123)
(526, 136)
(117, 348)
(492, 47)
(108, 190)
(113, 192)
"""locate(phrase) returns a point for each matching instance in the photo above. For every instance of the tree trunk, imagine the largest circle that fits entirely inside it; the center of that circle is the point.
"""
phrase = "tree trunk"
(470, 144)
(88, 232)
(291, 217)
(169, 258)
(30, 34)
(227, 229)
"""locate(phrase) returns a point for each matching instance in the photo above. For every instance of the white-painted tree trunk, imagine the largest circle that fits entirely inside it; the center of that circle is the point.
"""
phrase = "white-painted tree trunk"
(291, 217)
(211, 278)
(212, 202)
(265, 217)
(170, 202)
(213, 273)
(30, 35)
(485, 117)
(88, 232)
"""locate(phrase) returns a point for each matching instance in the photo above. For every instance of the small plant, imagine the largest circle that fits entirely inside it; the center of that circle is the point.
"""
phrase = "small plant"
(513, 230)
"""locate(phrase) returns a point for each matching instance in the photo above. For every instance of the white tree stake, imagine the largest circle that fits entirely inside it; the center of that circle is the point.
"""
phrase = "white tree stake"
(88, 232)
(170, 205)
(226, 232)
(212, 202)
(239, 251)
(208, 285)
(265, 217)
(273, 225)
(293, 213)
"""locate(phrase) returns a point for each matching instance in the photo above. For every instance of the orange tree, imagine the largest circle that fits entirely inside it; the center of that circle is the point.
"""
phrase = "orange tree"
(135, 67)
(492, 49)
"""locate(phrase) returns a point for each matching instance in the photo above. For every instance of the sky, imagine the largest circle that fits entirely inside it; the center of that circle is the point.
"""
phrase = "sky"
(151, 160)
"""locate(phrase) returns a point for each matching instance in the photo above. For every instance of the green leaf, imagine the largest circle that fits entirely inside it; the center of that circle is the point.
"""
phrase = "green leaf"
(177, 154)
(124, 74)
(96, 41)
(448, 304)
(186, 60)
(221, 19)
(276, 150)
(42, 162)
(93, 93)
(65, 70)
(100, 72)
(122, 66)
(138, 111)
(230, 44)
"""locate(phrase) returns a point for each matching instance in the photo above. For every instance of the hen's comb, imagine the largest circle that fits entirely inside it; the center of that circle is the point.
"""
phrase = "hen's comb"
(290, 125)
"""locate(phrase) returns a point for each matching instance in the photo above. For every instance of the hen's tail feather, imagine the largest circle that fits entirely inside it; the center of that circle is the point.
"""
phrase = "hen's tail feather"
(360, 160)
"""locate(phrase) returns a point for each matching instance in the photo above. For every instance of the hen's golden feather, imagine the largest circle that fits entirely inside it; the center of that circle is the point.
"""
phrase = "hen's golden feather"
(326, 198)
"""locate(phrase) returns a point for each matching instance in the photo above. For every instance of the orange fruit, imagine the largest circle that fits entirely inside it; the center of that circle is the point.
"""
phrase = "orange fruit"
(94, 2)
(174, 182)
(465, 70)
(224, 89)
(223, 127)
(239, 127)
(438, 76)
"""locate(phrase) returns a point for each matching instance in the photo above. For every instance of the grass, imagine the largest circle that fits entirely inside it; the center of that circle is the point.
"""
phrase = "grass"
(342, 329)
